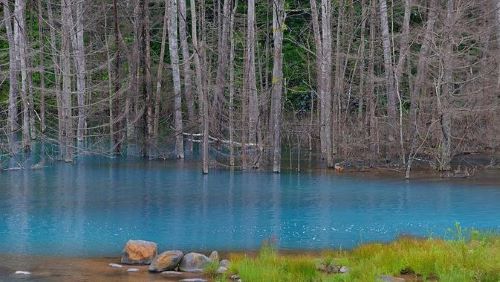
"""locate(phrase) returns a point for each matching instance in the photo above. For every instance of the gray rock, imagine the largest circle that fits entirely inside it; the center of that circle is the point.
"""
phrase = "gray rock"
(193, 280)
(343, 269)
(115, 265)
(235, 277)
(168, 260)
(225, 263)
(214, 256)
(194, 262)
(133, 270)
(171, 273)
(221, 270)
(138, 252)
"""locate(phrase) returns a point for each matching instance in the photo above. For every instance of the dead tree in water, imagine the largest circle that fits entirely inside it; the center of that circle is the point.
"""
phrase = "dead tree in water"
(277, 81)
(176, 78)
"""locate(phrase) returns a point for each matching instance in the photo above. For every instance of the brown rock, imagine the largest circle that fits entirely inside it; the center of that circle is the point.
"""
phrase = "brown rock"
(166, 261)
(138, 252)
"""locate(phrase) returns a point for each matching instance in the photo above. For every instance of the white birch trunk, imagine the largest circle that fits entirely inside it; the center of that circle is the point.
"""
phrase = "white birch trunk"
(174, 59)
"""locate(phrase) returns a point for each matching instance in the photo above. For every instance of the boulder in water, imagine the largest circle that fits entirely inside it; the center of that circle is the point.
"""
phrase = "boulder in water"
(139, 252)
(194, 262)
(166, 261)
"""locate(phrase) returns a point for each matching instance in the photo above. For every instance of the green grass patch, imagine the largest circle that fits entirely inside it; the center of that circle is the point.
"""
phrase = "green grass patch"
(474, 259)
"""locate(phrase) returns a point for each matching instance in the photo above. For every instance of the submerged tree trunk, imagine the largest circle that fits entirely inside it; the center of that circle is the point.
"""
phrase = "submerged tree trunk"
(277, 81)
(174, 59)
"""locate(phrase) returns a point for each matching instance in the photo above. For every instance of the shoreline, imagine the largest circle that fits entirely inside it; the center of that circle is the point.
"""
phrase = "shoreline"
(53, 268)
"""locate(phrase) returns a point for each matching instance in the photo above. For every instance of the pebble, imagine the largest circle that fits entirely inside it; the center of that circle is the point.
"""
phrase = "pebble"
(23, 273)
(115, 265)
(171, 273)
(133, 270)
(344, 269)
(193, 280)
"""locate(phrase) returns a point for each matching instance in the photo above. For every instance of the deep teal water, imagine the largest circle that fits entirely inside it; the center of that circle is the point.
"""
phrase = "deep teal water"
(93, 207)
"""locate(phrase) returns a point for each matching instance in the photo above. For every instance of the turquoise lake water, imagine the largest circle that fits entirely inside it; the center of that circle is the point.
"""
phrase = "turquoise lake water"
(93, 207)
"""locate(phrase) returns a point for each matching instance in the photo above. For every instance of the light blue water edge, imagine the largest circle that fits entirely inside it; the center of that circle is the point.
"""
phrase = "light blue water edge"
(91, 208)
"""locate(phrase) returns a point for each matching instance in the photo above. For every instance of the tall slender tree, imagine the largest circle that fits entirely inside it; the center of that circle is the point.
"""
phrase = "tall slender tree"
(277, 81)
(174, 59)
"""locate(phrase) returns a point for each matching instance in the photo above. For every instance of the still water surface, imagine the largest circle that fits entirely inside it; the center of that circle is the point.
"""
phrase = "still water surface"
(93, 207)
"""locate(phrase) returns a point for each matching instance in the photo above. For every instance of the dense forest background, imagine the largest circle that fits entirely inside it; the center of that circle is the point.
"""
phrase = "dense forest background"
(376, 81)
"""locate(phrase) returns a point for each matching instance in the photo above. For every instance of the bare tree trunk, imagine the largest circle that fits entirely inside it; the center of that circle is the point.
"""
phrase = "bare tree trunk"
(319, 84)
(498, 37)
(43, 126)
(222, 63)
(326, 77)
(115, 125)
(362, 64)
(57, 73)
(231, 86)
(110, 87)
(159, 73)
(277, 80)
(420, 80)
(251, 85)
(148, 82)
(338, 87)
(186, 64)
(13, 69)
(131, 98)
(202, 94)
(20, 39)
(80, 67)
(447, 91)
(389, 77)
(371, 86)
(66, 80)
(174, 58)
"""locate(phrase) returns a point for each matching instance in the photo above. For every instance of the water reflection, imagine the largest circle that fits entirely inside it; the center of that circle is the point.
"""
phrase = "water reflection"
(92, 207)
